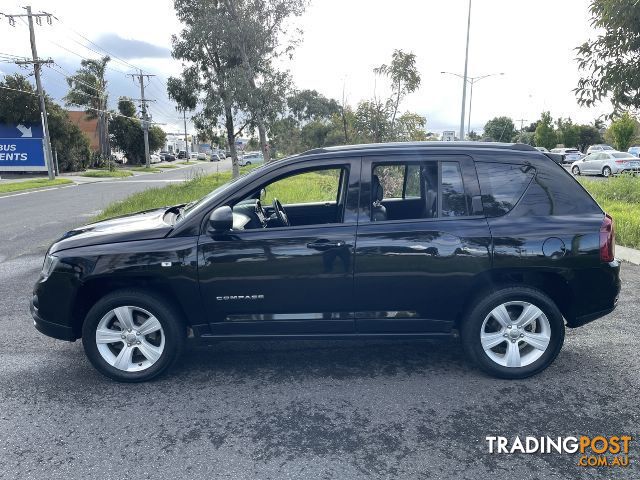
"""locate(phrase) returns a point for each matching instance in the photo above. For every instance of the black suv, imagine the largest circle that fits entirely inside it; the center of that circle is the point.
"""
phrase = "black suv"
(416, 240)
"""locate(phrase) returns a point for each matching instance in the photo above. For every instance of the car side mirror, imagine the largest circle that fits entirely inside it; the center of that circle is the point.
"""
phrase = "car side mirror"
(263, 194)
(221, 219)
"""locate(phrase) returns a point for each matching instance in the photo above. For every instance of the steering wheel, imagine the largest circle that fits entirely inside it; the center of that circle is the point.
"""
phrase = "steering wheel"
(280, 213)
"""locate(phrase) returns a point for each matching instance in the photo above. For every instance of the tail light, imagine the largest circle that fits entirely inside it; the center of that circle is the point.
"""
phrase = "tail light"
(622, 161)
(607, 239)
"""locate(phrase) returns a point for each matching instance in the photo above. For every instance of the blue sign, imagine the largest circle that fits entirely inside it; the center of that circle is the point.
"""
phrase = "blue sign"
(21, 148)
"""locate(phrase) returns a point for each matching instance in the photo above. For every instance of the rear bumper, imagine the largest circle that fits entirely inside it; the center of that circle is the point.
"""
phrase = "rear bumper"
(606, 299)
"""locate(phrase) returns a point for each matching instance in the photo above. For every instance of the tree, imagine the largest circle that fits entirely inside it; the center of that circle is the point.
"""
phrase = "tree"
(545, 135)
(473, 136)
(372, 123)
(610, 61)
(88, 88)
(623, 131)
(19, 104)
(567, 132)
(410, 127)
(257, 28)
(184, 92)
(404, 78)
(306, 105)
(588, 135)
(525, 137)
(499, 129)
(127, 133)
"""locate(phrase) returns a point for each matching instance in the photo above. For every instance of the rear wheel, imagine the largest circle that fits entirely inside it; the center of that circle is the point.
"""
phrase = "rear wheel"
(132, 336)
(513, 333)
(606, 172)
(575, 170)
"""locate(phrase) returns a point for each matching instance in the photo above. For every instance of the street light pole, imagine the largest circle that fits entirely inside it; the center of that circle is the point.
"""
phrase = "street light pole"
(464, 83)
(471, 81)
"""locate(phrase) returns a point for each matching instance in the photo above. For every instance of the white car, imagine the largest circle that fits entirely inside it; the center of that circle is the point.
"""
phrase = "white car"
(570, 154)
(251, 158)
(600, 148)
(193, 156)
(154, 158)
(606, 164)
(542, 149)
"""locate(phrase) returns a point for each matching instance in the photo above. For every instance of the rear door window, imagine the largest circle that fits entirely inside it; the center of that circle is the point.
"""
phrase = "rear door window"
(502, 185)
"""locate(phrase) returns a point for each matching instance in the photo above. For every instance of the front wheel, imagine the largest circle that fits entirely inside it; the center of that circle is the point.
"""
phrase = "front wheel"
(575, 171)
(606, 172)
(513, 333)
(132, 336)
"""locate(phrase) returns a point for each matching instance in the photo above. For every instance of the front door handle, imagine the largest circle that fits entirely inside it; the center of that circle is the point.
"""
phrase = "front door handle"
(325, 244)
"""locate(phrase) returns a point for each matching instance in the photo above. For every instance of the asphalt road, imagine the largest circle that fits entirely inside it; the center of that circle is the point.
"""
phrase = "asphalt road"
(302, 410)
(32, 220)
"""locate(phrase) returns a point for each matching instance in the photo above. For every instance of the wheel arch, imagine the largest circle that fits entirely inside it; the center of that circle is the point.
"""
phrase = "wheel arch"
(551, 283)
(94, 289)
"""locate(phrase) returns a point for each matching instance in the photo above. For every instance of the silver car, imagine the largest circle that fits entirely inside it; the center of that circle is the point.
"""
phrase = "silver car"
(570, 155)
(600, 148)
(606, 164)
(251, 158)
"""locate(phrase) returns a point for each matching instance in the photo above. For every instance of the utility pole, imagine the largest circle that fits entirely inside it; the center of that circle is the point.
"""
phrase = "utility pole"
(37, 65)
(186, 145)
(464, 82)
(522, 120)
(145, 119)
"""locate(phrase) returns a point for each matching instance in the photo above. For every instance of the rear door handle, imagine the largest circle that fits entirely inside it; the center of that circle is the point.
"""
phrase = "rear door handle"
(325, 244)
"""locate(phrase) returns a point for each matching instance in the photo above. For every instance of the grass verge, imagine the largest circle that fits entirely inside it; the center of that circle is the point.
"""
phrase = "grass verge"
(620, 198)
(10, 187)
(107, 173)
(173, 194)
(144, 169)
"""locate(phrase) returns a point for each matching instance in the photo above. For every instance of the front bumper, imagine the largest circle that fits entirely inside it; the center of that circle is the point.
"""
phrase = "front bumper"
(54, 330)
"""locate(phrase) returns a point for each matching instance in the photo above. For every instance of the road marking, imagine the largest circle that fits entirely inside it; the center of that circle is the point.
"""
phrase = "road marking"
(145, 181)
(36, 191)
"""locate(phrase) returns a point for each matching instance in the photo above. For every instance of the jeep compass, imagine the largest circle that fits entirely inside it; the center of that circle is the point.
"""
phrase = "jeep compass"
(495, 243)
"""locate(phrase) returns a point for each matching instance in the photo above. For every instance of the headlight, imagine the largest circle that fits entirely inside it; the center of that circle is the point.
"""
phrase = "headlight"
(50, 262)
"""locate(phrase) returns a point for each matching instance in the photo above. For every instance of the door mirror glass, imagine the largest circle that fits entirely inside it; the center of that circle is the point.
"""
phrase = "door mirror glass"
(263, 194)
(221, 219)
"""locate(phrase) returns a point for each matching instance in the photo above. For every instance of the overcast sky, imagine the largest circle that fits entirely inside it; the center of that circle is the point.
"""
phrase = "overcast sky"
(531, 42)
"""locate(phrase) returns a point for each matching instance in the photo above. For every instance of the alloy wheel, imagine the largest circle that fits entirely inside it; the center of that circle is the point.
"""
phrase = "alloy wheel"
(515, 334)
(606, 171)
(130, 338)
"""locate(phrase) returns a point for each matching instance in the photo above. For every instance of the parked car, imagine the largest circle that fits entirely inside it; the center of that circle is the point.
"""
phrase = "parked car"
(193, 156)
(542, 149)
(569, 155)
(215, 157)
(154, 158)
(606, 164)
(600, 148)
(201, 156)
(166, 156)
(251, 158)
(182, 155)
(635, 151)
(414, 240)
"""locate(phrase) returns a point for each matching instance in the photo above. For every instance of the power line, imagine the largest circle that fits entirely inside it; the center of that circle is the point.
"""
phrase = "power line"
(37, 65)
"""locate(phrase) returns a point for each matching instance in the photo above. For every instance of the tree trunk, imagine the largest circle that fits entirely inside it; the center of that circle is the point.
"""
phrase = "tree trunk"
(231, 137)
(262, 133)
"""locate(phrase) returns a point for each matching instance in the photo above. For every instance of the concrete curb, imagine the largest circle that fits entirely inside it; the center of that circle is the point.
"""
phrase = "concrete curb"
(627, 254)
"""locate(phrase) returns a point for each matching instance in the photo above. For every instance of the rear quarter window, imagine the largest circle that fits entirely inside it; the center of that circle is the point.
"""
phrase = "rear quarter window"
(502, 185)
(554, 191)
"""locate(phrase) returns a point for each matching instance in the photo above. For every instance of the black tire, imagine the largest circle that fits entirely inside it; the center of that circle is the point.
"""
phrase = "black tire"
(473, 324)
(576, 171)
(173, 328)
(606, 172)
